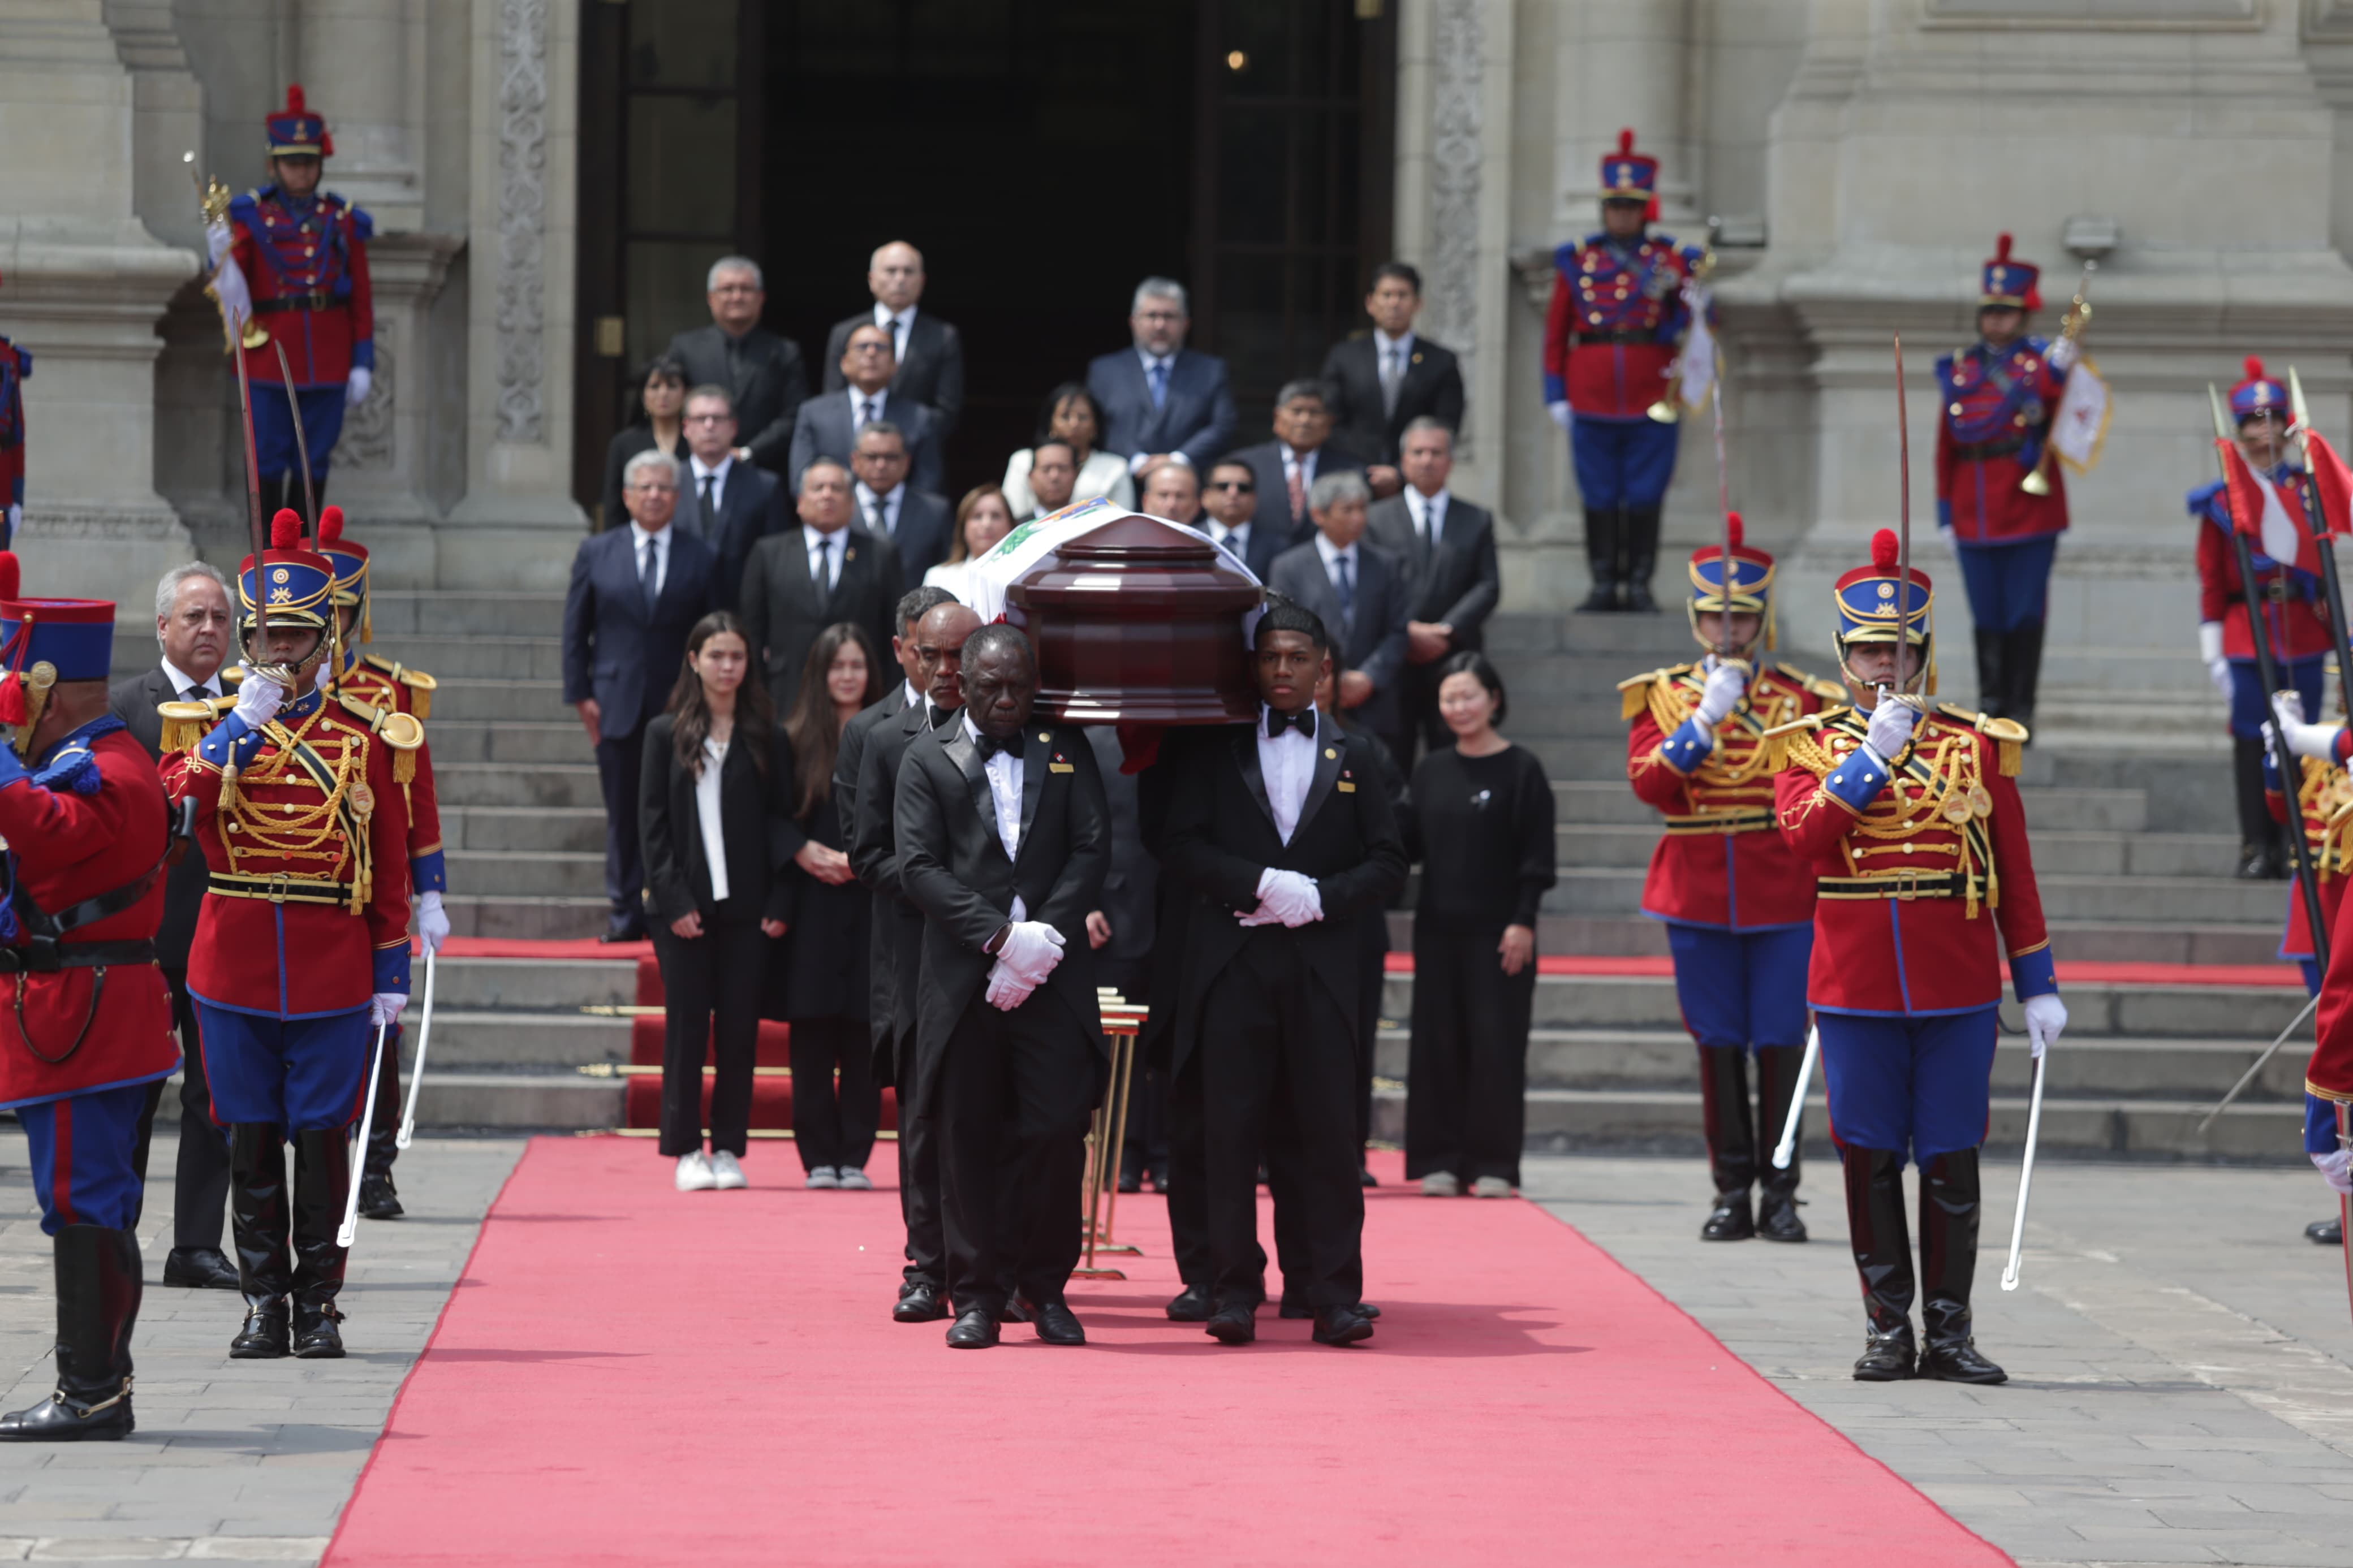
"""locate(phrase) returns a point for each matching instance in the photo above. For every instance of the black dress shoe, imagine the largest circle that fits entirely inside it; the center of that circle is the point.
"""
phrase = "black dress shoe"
(1730, 1219)
(199, 1268)
(1958, 1360)
(1131, 1183)
(378, 1200)
(264, 1336)
(2328, 1232)
(1235, 1324)
(919, 1303)
(316, 1335)
(1886, 1358)
(1365, 1177)
(973, 1331)
(1777, 1218)
(1190, 1305)
(63, 1418)
(1293, 1308)
(1341, 1326)
(624, 930)
(1055, 1322)
(2255, 863)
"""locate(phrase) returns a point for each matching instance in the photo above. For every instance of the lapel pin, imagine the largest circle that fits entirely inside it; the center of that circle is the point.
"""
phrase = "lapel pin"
(1042, 734)
(1331, 754)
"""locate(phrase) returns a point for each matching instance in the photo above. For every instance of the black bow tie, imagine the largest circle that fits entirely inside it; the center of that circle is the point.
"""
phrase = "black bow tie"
(989, 745)
(939, 716)
(1277, 721)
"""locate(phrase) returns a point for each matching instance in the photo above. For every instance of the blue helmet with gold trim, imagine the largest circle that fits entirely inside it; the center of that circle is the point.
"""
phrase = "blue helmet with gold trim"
(1874, 606)
(2258, 394)
(1749, 589)
(300, 583)
(296, 132)
(1630, 176)
(2010, 283)
(350, 559)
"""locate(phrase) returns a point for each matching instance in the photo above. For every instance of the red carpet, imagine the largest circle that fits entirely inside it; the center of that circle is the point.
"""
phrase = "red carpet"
(543, 948)
(627, 1375)
(2093, 973)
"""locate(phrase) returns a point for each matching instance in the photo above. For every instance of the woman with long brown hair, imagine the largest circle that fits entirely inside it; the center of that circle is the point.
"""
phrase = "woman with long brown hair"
(825, 973)
(715, 811)
(982, 518)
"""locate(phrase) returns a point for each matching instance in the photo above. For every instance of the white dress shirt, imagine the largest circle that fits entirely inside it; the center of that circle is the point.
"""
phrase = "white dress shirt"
(182, 680)
(1004, 771)
(1288, 764)
(1428, 514)
(825, 571)
(908, 696)
(640, 541)
(900, 327)
(706, 812)
(869, 503)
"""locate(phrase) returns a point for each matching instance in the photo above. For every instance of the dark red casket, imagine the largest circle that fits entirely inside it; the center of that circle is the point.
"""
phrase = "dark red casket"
(1137, 622)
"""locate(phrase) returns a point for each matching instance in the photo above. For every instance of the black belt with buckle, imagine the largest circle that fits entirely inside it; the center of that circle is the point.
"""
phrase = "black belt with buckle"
(294, 302)
(2277, 591)
(1623, 335)
(1980, 451)
(41, 957)
(1904, 885)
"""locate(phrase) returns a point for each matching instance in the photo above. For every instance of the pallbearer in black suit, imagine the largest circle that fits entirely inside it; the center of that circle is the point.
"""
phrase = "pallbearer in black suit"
(1285, 838)
(1003, 841)
(1384, 380)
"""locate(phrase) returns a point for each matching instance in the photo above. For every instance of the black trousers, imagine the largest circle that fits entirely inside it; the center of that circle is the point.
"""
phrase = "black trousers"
(834, 1127)
(1274, 1075)
(624, 862)
(919, 1181)
(1016, 1090)
(200, 1178)
(711, 1001)
(1466, 1079)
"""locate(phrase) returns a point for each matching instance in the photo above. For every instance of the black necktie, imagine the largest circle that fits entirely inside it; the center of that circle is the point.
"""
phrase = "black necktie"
(710, 508)
(649, 576)
(1277, 721)
(989, 745)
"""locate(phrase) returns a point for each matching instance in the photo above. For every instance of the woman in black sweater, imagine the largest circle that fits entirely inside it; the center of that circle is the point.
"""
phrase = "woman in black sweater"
(1485, 815)
(715, 812)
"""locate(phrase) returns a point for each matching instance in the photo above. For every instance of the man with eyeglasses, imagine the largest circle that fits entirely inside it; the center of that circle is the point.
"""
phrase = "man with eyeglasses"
(761, 371)
(1230, 497)
(1162, 401)
(731, 505)
(829, 424)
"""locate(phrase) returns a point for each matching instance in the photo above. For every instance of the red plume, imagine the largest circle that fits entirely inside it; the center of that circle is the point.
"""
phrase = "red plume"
(1733, 530)
(12, 699)
(2001, 249)
(1884, 549)
(2254, 368)
(331, 524)
(285, 530)
(294, 104)
(1625, 143)
(11, 574)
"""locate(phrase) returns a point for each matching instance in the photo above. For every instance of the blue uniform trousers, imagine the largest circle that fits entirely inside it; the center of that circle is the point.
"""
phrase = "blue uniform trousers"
(1620, 462)
(1915, 1084)
(273, 429)
(2009, 584)
(2250, 709)
(85, 1154)
(298, 1073)
(1742, 988)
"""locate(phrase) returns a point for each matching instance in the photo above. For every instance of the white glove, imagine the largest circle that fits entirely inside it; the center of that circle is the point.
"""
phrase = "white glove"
(2046, 1017)
(2210, 652)
(16, 519)
(2062, 355)
(1891, 726)
(1285, 898)
(1559, 412)
(229, 288)
(217, 239)
(383, 1008)
(1006, 992)
(355, 389)
(1032, 950)
(2305, 740)
(2336, 1168)
(1952, 541)
(258, 699)
(432, 922)
(1725, 683)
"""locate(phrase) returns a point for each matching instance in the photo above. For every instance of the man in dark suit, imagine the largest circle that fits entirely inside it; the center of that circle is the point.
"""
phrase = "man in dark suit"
(1174, 491)
(636, 593)
(731, 505)
(1161, 401)
(1301, 453)
(1448, 546)
(1384, 380)
(929, 351)
(930, 655)
(1285, 838)
(763, 371)
(192, 623)
(916, 522)
(829, 423)
(1231, 500)
(800, 581)
(1004, 840)
(1359, 592)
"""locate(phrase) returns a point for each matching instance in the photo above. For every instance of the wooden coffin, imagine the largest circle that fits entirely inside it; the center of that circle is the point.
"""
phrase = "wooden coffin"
(1137, 622)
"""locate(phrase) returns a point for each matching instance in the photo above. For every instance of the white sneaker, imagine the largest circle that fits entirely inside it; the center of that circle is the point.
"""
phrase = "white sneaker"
(694, 1174)
(1484, 1187)
(852, 1179)
(725, 1174)
(823, 1176)
(1441, 1184)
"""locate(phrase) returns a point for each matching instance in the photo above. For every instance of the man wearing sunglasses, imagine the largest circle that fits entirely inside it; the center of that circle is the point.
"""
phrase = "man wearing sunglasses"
(1230, 497)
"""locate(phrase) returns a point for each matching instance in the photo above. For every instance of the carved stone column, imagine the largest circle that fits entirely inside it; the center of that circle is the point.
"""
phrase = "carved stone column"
(381, 470)
(362, 66)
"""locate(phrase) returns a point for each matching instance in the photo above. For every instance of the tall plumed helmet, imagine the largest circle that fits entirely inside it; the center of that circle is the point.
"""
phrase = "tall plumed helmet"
(2009, 282)
(44, 641)
(1875, 606)
(298, 584)
(1629, 175)
(295, 132)
(1748, 587)
(2257, 393)
(351, 562)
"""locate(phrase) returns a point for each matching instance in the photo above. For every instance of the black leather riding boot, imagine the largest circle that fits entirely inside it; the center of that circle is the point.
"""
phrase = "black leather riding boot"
(1642, 557)
(322, 1185)
(378, 1198)
(1883, 1257)
(258, 1230)
(1949, 1209)
(1603, 526)
(1777, 1190)
(1731, 1142)
(2259, 837)
(1991, 688)
(97, 1287)
(2022, 662)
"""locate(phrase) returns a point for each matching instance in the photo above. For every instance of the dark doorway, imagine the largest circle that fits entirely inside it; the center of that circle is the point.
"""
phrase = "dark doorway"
(1043, 154)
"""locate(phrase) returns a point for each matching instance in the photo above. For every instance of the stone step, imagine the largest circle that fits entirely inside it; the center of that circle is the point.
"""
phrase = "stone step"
(2106, 941)
(520, 743)
(479, 656)
(498, 701)
(578, 830)
(407, 615)
(475, 1040)
(2049, 810)
(553, 1101)
(561, 786)
(2188, 901)
(550, 919)
(534, 874)
(534, 985)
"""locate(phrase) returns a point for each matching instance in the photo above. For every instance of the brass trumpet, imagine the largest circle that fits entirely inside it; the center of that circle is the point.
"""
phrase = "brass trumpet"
(212, 200)
(2079, 311)
(1669, 410)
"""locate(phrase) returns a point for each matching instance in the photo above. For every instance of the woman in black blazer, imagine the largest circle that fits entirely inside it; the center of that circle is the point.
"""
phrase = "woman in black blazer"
(657, 423)
(825, 973)
(715, 812)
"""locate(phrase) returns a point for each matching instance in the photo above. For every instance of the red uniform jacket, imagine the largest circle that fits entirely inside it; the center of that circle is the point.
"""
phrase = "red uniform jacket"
(382, 683)
(2326, 811)
(89, 821)
(1722, 862)
(1616, 319)
(307, 910)
(1994, 411)
(307, 265)
(2296, 610)
(1916, 911)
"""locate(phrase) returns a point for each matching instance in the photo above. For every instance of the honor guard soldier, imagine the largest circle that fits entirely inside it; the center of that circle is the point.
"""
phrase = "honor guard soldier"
(2324, 750)
(2324, 812)
(16, 364)
(303, 252)
(85, 1019)
(391, 688)
(1616, 316)
(1908, 815)
(1738, 905)
(2294, 613)
(1998, 396)
(302, 943)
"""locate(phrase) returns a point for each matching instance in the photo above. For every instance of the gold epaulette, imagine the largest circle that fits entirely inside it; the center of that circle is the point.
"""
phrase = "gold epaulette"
(1828, 690)
(403, 733)
(186, 723)
(421, 685)
(1634, 692)
(2008, 735)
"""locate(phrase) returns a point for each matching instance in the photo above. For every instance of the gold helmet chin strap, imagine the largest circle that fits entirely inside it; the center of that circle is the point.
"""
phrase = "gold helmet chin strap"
(38, 681)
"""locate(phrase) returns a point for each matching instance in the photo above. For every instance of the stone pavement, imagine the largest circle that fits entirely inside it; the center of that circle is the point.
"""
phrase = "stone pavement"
(233, 1461)
(2181, 1359)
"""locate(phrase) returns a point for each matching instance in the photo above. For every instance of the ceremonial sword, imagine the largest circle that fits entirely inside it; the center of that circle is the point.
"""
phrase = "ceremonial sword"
(351, 1226)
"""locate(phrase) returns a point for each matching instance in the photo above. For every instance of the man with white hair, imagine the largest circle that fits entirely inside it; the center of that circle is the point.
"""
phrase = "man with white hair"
(929, 352)
(1162, 401)
(763, 371)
